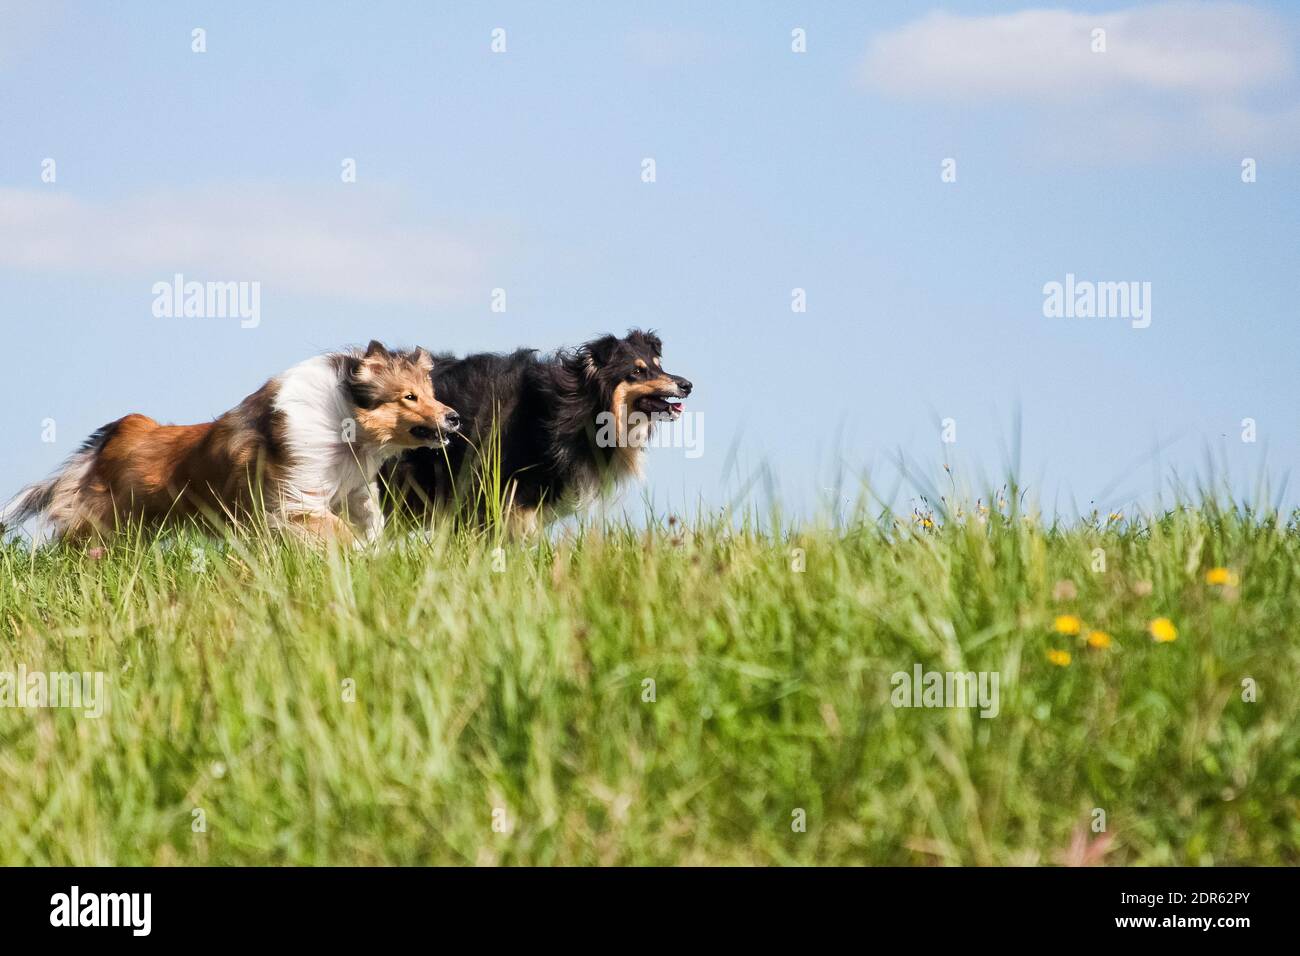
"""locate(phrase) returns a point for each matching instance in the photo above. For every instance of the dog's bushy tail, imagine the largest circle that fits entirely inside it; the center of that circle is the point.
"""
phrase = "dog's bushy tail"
(32, 501)
(57, 498)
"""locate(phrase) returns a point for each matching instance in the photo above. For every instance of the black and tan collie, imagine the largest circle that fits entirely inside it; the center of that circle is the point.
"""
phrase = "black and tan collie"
(306, 447)
(562, 428)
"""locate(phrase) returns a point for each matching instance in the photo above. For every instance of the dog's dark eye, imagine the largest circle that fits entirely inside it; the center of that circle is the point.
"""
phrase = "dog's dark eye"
(410, 396)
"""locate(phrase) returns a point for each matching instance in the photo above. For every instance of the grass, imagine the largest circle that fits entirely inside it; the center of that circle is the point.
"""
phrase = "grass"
(438, 702)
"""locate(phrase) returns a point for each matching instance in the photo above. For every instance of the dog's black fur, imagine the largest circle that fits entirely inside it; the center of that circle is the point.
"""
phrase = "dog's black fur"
(544, 412)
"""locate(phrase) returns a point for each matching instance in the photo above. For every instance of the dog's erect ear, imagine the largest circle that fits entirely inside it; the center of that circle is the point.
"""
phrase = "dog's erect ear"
(376, 349)
(645, 339)
(601, 350)
(422, 358)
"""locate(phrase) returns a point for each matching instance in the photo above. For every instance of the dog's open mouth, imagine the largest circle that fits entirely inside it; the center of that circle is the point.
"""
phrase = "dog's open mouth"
(428, 435)
(658, 406)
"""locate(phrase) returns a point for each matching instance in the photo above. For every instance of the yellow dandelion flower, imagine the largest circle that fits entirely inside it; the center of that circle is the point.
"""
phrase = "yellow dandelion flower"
(1059, 658)
(1114, 516)
(1067, 624)
(1222, 576)
(1162, 630)
(1098, 639)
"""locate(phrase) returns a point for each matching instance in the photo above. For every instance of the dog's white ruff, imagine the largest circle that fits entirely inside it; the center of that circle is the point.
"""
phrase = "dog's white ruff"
(325, 472)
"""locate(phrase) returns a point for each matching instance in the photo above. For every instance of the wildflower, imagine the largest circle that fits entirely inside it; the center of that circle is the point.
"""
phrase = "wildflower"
(1162, 630)
(1058, 657)
(1067, 624)
(1114, 516)
(1222, 576)
(1098, 639)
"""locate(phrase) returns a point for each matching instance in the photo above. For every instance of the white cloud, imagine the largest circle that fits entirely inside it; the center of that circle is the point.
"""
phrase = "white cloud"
(1197, 49)
(342, 245)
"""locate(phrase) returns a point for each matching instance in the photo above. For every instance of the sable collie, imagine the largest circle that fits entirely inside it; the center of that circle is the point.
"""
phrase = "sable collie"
(306, 447)
(563, 428)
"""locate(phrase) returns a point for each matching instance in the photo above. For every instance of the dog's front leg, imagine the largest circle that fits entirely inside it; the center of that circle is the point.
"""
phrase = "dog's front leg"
(364, 510)
(521, 522)
(321, 527)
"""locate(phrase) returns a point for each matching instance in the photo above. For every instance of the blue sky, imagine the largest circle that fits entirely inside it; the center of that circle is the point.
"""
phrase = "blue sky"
(775, 170)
